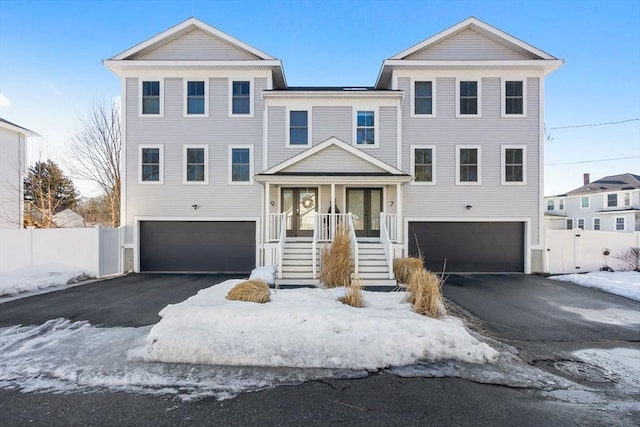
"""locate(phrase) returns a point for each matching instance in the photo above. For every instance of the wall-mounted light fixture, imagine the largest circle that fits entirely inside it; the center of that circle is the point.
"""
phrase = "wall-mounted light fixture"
(273, 203)
(195, 207)
(468, 207)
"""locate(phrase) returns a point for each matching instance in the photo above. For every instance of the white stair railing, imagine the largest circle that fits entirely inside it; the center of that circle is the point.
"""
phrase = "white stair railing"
(314, 245)
(391, 221)
(354, 244)
(386, 242)
(282, 238)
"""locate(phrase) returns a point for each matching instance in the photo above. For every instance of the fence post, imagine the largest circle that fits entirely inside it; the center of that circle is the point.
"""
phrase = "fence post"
(99, 252)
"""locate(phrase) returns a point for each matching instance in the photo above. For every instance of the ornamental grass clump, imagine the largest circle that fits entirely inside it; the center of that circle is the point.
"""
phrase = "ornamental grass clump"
(403, 268)
(255, 290)
(425, 293)
(353, 294)
(337, 265)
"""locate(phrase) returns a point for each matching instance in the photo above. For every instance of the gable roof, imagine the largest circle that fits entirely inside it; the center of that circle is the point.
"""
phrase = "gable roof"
(247, 55)
(6, 124)
(368, 165)
(529, 54)
(625, 181)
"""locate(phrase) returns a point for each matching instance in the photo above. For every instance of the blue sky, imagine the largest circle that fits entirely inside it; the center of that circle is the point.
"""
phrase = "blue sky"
(51, 53)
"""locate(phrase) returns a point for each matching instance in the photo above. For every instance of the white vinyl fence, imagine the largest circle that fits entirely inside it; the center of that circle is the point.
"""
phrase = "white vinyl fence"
(97, 250)
(576, 251)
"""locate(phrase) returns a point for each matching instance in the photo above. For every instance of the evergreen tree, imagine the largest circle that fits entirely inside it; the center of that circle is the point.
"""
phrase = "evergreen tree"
(49, 190)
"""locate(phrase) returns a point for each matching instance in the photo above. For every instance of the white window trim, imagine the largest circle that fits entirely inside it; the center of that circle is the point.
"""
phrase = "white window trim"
(554, 205)
(288, 124)
(206, 164)
(573, 223)
(470, 79)
(186, 92)
(479, 181)
(376, 126)
(433, 97)
(593, 224)
(503, 163)
(230, 165)
(503, 94)
(561, 207)
(151, 79)
(251, 100)
(584, 223)
(433, 164)
(605, 200)
(160, 148)
(624, 203)
(588, 202)
(615, 223)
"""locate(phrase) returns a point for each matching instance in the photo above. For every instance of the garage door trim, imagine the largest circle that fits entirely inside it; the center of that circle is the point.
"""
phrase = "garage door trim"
(138, 219)
(527, 232)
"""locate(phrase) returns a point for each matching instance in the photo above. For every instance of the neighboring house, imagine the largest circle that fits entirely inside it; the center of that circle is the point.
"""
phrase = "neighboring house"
(13, 146)
(227, 167)
(611, 203)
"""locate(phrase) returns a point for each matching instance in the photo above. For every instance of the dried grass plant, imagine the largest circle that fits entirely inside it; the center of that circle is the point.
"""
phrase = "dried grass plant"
(336, 260)
(425, 293)
(251, 291)
(353, 294)
(403, 268)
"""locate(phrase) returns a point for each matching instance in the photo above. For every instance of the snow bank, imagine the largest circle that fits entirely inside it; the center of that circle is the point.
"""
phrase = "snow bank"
(623, 283)
(307, 328)
(40, 276)
(266, 273)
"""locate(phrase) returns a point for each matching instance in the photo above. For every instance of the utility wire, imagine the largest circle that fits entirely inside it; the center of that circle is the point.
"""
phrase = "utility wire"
(592, 161)
(595, 124)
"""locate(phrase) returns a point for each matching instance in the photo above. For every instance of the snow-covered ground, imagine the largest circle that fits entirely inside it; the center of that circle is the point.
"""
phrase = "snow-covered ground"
(623, 283)
(38, 277)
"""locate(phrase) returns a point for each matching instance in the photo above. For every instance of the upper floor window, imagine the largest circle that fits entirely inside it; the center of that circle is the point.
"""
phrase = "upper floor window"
(298, 127)
(195, 164)
(365, 128)
(620, 224)
(550, 205)
(241, 165)
(584, 201)
(513, 165)
(151, 99)
(513, 97)
(561, 204)
(468, 98)
(596, 223)
(423, 98)
(241, 97)
(151, 164)
(423, 164)
(196, 98)
(627, 199)
(612, 200)
(468, 165)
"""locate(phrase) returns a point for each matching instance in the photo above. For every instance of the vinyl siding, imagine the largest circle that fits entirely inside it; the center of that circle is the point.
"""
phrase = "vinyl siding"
(197, 45)
(278, 150)
(490, 199)
(12, 163)
(332, 121)
(218, 131)
(333, 159)
(466, 45)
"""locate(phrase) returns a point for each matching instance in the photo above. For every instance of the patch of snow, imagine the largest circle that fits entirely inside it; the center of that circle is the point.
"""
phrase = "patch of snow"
(41, 276)
(307, 328)
(610, 316)
(623, 283)
(266, 273)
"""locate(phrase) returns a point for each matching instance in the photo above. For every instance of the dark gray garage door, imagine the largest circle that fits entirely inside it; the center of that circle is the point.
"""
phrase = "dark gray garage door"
(479, 247)
(198, 246)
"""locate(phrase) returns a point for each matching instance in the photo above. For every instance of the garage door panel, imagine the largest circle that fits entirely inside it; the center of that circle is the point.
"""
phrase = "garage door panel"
(197, 246)
(469, 246)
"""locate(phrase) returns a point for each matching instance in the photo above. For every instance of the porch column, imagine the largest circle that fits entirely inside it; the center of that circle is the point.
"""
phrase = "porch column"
(399, 214)
(267, 216)
(333, 211)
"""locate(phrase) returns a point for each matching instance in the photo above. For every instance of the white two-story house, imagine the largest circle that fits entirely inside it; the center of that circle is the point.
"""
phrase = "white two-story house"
(227, 167)
(611, 203)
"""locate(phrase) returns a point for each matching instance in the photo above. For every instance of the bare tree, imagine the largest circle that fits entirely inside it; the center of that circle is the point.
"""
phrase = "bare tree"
(96, 149)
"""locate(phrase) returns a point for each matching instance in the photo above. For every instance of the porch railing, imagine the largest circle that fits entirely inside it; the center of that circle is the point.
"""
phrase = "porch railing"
(391, 222)
(354, 244)
(327, 224)
(385, 239)
(282, 237)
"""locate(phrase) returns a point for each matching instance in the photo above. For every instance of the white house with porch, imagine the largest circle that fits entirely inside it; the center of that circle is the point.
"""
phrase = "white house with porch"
(226, 167)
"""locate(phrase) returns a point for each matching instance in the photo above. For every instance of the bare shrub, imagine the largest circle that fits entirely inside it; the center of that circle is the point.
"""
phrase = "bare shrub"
(250, 291)
(425, 293)
(404, 267)
(353, 294)
(631, 258)
(337, 265)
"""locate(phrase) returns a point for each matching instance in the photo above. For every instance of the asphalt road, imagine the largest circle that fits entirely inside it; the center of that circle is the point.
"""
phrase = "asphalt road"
(523, 311)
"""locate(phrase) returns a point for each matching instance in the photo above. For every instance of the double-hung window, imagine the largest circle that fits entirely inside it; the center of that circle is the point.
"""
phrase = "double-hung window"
(423, 98)
(195, 164)
(620, 224)
(561, 204)
(468, 98)
(423, 164)
(513, 164)
(513, 98)
(550, 205)
(584, 202)
(581, 223)
(612, 200)
(596, 223)
(365, 128)
(151, 164)
(298, 127)
(241, 164)
(241, 97)
(151, 98)
(468, 165)
(196, 98)
(569, 223)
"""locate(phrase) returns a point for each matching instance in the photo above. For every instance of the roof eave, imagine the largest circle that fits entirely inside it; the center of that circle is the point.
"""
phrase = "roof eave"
(18, 129)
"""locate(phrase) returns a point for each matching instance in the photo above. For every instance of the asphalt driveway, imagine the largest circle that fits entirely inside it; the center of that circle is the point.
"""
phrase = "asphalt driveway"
(132, 300)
